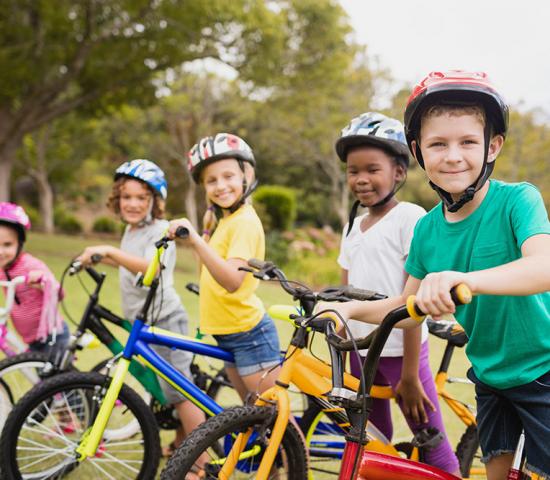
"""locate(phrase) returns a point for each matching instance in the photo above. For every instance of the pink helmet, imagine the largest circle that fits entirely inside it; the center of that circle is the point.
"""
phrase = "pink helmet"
(14, 216)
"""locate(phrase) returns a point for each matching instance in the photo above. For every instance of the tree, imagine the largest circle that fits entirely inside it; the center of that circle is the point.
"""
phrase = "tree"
(56, 57)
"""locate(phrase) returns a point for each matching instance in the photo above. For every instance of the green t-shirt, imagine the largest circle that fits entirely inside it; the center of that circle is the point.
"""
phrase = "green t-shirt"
(509, 336)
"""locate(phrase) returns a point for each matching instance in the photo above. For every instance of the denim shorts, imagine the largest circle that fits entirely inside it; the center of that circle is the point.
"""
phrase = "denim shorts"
(176, 322)
(503, 413)
(254, 350)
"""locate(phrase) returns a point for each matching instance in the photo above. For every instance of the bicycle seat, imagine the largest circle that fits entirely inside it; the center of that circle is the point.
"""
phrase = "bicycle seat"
(450, 331)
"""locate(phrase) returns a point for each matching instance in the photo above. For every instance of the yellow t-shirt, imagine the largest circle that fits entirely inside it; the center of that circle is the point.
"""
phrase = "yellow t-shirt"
(240, 235)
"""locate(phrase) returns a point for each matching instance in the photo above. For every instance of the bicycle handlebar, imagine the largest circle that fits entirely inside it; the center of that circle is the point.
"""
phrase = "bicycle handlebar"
(460, 294)
(265, 270)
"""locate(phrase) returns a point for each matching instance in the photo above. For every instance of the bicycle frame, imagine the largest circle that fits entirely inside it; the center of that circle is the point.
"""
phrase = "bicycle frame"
(141, 336)
(394, 468)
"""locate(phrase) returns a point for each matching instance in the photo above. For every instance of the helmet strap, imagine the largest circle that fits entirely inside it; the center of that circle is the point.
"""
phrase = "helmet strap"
(386, 199)
(247, 190)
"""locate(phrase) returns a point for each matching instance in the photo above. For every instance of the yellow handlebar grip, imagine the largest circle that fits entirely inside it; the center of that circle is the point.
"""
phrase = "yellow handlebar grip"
(411, 310)
(463, 293)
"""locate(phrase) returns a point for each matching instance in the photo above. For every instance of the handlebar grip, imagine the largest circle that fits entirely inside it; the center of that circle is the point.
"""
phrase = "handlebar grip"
(461, 295)
(96, 258)
(182, 232)
(258, 264)
(361, 294)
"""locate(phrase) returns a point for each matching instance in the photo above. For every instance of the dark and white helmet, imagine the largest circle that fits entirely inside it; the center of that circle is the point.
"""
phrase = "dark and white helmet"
(373, 128)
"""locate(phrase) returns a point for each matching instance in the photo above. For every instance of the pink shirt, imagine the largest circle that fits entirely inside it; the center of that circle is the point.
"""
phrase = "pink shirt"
(36, 313)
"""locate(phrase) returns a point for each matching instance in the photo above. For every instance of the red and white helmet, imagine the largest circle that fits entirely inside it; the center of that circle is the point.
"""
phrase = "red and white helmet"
(455, 87)
(14, 216)
(460, 89)
(211, 149)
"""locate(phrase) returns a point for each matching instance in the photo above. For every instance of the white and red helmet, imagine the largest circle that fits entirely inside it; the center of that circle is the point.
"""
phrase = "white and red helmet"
(14, 216)
(211, 149)
(457, 88)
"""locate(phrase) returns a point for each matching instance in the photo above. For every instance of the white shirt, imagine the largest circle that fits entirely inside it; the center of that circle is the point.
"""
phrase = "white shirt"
(375, 260)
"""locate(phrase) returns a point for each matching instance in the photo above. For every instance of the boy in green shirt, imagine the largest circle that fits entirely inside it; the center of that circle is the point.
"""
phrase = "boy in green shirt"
(494, 237)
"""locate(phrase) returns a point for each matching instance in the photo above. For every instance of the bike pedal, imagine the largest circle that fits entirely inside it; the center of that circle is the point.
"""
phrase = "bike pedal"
(427, 438)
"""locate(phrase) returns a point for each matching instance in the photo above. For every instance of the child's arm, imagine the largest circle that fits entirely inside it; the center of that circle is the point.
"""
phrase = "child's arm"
(375, 311)
(409, 389)
(526, 276)
(115, 257)
(225, 272)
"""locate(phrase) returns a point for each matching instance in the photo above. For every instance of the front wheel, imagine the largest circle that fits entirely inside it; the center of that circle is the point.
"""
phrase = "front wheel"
(200, 450)
(43, 430)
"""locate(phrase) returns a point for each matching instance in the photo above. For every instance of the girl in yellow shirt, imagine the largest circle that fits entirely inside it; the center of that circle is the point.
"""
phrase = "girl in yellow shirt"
(229, 307)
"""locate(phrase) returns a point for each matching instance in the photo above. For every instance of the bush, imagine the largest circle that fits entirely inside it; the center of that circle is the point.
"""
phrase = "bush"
(276, 248)
(277, 206)
(105, 225)
(65, 222)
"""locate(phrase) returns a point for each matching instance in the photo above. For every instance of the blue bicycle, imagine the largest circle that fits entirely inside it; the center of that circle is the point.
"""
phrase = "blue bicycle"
(89, 425)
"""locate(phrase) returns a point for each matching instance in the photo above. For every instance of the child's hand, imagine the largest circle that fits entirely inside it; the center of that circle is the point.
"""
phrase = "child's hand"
(339, 307)
(86, 256)
(433, 296)
(34, 278)
(182, 222)
(413, 399)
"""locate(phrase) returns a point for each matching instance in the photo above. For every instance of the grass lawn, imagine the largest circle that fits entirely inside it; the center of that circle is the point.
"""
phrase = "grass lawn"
(58, 250)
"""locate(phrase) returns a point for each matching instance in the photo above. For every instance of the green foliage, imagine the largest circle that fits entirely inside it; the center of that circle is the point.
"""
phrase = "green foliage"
(105, 225)
(276, 248)
(66, 222)
(34, 216)
(279, 206)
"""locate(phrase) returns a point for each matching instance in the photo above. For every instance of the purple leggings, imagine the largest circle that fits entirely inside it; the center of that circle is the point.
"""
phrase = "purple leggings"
(389, 373)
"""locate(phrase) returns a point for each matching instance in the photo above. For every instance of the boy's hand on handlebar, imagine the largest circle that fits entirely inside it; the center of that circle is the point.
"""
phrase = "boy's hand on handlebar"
(97, 251)
(434, 297)
(410, 394)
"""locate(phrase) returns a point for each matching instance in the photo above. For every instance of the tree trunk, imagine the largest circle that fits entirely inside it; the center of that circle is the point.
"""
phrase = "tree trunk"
(8, 151)
(46, 200)
(191, 205)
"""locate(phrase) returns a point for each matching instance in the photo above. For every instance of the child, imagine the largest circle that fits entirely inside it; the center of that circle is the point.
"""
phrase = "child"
(229, 307)
(372, 256)
(494, 237)
(34, 315)
(138, 197)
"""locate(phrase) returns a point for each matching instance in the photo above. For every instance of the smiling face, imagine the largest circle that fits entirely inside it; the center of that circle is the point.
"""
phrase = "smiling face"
(452, 145)
(223, 181)
(9, 243)
(135, 201)
(371, 174)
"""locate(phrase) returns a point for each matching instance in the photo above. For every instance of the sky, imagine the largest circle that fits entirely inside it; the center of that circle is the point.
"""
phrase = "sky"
(509, 40)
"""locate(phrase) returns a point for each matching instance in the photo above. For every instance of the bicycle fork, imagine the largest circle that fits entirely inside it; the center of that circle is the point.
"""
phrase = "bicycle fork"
(275, 395)
(91, 439)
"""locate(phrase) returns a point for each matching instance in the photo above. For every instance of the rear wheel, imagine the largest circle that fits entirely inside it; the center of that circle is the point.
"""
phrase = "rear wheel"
(43, 430)
(203, 446)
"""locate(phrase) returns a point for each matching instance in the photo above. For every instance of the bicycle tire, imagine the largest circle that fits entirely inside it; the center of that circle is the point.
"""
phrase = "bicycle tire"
(325, 453)
(72, 399)
(15, 378)
(467, 450)
(292, 456)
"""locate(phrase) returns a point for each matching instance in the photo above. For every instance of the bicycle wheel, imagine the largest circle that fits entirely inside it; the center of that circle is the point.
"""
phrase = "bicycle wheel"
(324, 440)
(43, 430)
(468, 453)
(18, 374)
(290, 463)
